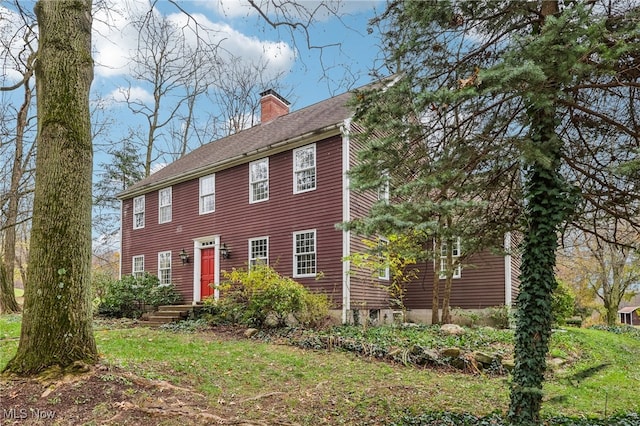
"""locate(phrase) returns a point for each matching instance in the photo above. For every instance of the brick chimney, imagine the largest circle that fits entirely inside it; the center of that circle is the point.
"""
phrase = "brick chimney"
(272, 105)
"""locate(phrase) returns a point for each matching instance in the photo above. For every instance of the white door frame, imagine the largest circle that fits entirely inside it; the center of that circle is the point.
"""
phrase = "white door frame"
(198, 245)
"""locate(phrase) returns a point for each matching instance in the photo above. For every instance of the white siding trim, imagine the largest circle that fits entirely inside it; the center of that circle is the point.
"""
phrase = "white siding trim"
(346, 216)
(507, 270)
(121, 229)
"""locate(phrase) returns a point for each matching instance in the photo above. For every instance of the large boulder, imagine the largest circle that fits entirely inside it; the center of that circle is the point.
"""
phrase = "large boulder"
(452, 329)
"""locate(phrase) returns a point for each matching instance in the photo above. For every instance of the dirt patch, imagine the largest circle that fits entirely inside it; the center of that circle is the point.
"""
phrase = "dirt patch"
(106, 396)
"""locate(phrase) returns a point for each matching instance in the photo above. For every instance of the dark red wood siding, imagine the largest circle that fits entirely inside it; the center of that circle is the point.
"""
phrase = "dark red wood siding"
(481, 285)
(366, 289)
(235, 220)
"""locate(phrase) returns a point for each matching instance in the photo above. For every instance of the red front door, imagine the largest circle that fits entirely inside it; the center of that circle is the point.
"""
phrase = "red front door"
(206, 272)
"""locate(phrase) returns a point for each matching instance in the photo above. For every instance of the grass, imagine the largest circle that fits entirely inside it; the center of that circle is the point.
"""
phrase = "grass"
(599, 378)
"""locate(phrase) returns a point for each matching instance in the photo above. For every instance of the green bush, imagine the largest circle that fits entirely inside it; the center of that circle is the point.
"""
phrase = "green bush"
(130, 296)
(261, 296)
(562, 303)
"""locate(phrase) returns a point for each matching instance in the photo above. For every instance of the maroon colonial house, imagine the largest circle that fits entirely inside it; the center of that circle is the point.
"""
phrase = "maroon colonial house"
(274, 193)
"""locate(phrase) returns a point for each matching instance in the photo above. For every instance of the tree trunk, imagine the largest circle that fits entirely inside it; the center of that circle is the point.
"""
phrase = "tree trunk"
(435, 300)
(547, 207)
(56, 325)
(8, 303)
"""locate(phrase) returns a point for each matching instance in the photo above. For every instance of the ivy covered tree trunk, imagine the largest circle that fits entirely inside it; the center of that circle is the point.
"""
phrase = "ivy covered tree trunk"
(56, 325)
(546, 209)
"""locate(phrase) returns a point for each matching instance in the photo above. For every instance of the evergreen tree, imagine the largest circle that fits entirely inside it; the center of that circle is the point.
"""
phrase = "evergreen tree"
(505, 116)
(124, 169)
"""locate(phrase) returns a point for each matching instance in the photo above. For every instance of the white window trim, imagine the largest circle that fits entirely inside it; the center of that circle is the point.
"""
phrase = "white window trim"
(168, 254)
(384, 273)
(141, 197)
(315, 253)
(168, 206)
(315, 169)
(250, 255)
(135, 272)
(252, 182)
(457, 271)
(201, 195)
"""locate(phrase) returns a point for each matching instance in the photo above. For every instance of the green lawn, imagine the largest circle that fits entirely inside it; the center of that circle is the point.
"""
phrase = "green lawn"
(601, 376)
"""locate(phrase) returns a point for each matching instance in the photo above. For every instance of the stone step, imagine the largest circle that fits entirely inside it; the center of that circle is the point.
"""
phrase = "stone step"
(183, 308)
(177, 314)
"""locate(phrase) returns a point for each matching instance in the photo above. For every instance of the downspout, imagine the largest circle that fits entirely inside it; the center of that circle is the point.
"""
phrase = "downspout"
(346, 217)
(507, 270)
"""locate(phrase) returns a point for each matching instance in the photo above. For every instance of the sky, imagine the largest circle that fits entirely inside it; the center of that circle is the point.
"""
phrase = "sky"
(341, 58)
(311, 74)
(343, 55)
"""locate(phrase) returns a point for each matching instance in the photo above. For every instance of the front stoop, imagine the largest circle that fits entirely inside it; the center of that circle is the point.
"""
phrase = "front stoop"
(169, 313)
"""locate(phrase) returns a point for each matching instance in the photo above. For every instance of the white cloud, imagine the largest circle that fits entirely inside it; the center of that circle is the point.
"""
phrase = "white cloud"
(115, 38)
(133, 94)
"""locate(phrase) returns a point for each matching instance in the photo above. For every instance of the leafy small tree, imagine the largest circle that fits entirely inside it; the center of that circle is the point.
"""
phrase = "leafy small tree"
(562, 303)
(398, 254)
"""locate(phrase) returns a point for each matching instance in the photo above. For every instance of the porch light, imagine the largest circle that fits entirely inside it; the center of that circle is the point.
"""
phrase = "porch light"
(226, 253)
(184, 256)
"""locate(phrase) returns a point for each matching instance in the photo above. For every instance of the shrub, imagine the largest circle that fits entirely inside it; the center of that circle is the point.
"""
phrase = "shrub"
(562, 303)
(130, 296)
(315, 308)
(261, 296)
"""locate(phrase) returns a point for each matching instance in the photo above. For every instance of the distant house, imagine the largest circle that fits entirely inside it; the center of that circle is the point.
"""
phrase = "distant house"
(274, 193)
(630, 315)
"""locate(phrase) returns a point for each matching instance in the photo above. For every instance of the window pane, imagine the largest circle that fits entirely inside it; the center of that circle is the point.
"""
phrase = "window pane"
(306, 179)
(260, 191)
(207, 185)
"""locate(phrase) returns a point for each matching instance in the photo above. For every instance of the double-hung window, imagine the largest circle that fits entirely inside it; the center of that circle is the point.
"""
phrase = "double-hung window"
(258, 251)
(207, 194)
(259, 180)
(455, 255)
(304, 169)
(138, 212)
(164, 201)
(384, 271)
(137, 266)
(164, 267)
(383, 189)
(304, 246)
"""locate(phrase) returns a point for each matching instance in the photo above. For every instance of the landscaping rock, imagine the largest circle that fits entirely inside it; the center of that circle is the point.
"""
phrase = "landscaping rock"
(484, 359)
(430, 354)
(250, 332)
(508, 364)
(452, 329)
(555, 362)
(451, 352)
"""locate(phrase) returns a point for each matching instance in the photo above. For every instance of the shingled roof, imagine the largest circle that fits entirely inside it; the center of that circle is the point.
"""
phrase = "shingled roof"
(323, 117)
